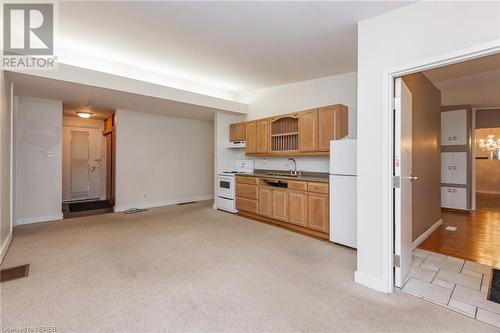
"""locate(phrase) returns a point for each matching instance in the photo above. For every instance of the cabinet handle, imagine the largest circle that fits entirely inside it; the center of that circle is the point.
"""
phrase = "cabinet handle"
(450, 167)
(450, 138)
(454, 167)
(454, 138)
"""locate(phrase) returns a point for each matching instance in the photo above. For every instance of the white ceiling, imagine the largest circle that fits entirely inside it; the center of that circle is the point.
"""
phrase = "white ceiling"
(236, 46)
(475, 82)
(76, 96)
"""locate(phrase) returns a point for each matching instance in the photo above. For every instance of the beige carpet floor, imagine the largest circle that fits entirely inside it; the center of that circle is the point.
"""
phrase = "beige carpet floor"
(193, 269)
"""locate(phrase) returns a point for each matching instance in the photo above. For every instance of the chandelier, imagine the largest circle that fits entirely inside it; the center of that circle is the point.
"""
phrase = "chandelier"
(489, 145)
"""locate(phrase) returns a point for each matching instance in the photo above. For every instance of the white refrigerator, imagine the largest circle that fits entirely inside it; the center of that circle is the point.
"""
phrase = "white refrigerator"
(343, 192)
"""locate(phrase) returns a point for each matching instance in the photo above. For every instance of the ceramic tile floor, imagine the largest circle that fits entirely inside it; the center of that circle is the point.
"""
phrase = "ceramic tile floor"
(458, 284)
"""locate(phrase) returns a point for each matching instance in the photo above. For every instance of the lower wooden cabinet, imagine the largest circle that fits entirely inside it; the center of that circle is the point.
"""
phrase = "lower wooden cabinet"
(318, 212)
(297, 208)
(265, 201)
(247, 205)
(302, 205)
(280, 205)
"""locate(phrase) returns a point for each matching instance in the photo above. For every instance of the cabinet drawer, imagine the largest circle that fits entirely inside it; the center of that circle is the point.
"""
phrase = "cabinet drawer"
(317, 187)
(298, 186)
(247, 191)
(247, 205)
(247, 180)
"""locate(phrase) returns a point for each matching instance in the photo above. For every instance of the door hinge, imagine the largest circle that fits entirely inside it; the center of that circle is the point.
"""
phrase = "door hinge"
(396, 261)
(396, 181)
(395, 102)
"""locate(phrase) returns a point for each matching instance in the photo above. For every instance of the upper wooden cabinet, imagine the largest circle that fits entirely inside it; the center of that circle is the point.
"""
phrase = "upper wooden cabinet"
(304, 132)
(251, 137)
(263, 136)
(237, 132)
(308, 130)
(333, 125)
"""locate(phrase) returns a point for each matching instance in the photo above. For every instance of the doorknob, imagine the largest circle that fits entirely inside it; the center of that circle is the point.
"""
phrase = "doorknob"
(413, 178)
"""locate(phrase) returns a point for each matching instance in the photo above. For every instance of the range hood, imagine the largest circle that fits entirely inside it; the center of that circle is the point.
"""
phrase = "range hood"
(236, 144)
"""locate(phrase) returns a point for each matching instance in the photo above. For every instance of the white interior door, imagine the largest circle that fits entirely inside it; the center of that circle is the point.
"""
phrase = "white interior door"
(403, 170)
(81, 163)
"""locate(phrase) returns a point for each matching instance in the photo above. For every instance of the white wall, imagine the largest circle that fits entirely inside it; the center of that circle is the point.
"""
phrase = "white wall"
(162, 160)
(77, 122)
(5, 164)
(403, 37)
(38, 175)
(300, 96)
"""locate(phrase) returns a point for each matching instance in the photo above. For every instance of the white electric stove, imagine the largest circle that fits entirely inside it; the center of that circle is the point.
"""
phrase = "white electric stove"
(226, 185)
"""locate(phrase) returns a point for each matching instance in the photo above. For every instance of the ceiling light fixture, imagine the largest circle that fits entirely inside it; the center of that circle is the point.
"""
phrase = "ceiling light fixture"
(85, 115)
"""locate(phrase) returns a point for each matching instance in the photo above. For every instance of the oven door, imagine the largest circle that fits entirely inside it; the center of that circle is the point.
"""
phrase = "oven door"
(225, 187)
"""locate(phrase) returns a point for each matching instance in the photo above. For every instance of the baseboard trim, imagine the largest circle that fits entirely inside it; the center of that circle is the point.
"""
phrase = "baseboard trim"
(118, 209)
(426, 234)
(370, 282)
(5, 246)
(40, 219)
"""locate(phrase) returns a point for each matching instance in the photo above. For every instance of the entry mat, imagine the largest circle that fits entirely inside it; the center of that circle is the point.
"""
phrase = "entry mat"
(13, 273)
(89, 205)
(494, 294)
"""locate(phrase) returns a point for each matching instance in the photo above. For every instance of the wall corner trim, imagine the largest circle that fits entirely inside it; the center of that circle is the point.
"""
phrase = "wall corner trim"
(371, 281)
(426, 234)
(5, 246)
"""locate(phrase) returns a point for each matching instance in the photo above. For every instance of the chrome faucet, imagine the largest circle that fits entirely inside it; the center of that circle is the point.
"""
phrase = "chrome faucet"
(294, 171)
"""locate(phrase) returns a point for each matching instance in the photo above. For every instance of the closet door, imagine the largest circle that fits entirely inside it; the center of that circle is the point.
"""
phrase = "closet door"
(447, 168)
(446, 197)
(454, 128)
(459, 168)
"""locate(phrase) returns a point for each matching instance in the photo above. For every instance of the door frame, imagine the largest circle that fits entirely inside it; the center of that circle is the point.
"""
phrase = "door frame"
(388, 78)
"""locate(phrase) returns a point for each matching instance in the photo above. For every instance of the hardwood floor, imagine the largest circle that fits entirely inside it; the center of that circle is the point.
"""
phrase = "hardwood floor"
(477, 237)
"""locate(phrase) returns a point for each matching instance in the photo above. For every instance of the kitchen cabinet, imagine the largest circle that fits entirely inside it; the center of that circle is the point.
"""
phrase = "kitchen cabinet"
(454, 168)
(297, 211)
(297, 204)
(280, 204)
(247, 205)
(454, 128)
(237, 132)
(251, 137)
(265, 201)
(454, 198)
(332, 125)
(318, 211)
(308, 134)
(247, 191)
(263, 136)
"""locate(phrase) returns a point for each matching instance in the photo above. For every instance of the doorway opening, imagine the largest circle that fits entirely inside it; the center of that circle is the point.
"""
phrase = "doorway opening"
(87, 160)
(446, 194)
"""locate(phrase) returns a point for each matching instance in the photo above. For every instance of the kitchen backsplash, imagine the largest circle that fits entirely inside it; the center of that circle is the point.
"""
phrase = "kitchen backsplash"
(305, 163)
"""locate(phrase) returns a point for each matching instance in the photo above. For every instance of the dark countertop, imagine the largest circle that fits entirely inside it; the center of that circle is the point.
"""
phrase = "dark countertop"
(322, 177)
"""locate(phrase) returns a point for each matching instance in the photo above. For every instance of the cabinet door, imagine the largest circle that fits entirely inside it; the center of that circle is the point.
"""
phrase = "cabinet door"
(297, 211)
(251, 137)
(446, 197)
(318, 212)
(280, 204)
(332, 125)
(447, 168)
(237, 132)
(459, 200)
(308, 135)
(265, 201)
(454, 128)
(459, 164)
(263, 136)
(459, 127)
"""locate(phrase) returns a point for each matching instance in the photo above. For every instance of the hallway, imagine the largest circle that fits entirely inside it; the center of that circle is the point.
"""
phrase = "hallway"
(477, 237)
